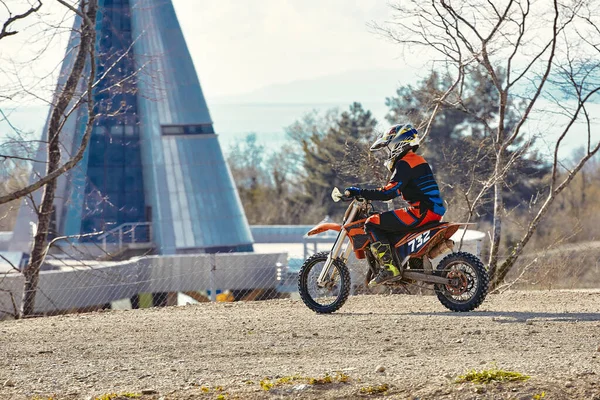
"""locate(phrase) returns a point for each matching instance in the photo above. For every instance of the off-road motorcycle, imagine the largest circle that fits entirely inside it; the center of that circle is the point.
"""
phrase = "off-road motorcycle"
(460, 280)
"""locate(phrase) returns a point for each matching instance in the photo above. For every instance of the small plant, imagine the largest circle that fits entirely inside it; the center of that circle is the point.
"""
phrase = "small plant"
(288, 380)
(539, 396)
(111, 396)
(216, 389)
(320, 381)
(341, 377)
(375, 389)
(266, 384)
(491, 375)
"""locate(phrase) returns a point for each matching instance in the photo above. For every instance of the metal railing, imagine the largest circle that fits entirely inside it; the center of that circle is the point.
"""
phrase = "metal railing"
(125, 234)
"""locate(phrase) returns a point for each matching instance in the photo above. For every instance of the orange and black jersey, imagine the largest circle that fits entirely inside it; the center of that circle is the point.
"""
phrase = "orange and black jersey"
(413, 179)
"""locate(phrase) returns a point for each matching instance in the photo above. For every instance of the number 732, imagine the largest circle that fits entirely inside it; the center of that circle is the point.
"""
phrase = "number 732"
(419, 241)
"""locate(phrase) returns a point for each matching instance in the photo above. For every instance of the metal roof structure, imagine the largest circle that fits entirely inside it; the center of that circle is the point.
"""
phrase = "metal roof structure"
(154, 163)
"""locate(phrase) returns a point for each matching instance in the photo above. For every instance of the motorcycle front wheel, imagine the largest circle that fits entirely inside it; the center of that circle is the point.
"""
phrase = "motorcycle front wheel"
(469, 282)
(333, 294)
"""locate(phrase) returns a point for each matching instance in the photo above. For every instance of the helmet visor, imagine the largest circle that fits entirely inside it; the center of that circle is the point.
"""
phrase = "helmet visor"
(382, 141)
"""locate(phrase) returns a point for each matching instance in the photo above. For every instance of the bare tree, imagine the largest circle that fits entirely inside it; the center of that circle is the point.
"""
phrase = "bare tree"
(529, 50)
(75, 92)
(85, 53)
(8, 24)
(84, 75)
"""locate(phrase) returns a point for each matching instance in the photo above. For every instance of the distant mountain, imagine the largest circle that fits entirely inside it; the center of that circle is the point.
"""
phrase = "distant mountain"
(345, 87)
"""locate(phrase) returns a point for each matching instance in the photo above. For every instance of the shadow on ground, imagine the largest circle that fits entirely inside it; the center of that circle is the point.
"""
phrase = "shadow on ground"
(500, 316)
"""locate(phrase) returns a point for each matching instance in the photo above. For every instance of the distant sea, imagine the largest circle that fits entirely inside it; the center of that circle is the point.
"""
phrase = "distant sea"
(232, 122)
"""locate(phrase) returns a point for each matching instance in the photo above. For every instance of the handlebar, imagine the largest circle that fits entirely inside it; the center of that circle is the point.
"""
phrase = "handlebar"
(349, 197)
(336, 195)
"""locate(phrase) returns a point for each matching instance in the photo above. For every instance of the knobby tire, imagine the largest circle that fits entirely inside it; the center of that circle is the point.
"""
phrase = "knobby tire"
(344, 290)
(482, 277)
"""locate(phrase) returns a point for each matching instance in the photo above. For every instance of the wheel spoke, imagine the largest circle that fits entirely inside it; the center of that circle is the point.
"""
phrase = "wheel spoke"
(327, 294)
(468, 282)
(333, 293)
(467, 278)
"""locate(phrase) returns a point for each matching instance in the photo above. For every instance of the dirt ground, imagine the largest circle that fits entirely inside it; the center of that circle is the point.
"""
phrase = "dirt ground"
(396, 346)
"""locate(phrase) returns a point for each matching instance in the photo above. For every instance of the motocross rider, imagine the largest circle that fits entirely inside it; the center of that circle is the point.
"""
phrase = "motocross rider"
(412, 179)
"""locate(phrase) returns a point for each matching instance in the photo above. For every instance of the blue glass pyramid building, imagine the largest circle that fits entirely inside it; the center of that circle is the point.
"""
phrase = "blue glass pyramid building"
(154, 160)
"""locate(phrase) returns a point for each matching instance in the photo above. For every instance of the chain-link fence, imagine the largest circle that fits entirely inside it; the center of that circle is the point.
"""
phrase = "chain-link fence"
(68, 285)
(85, 277)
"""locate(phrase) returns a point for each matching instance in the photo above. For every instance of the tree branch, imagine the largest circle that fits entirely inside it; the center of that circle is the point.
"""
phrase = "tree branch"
(5, 31)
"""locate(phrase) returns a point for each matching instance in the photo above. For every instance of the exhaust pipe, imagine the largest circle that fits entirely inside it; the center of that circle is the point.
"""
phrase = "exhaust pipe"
(443, 247)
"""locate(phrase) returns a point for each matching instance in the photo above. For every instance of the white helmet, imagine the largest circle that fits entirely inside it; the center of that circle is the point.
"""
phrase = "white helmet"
(398, 139)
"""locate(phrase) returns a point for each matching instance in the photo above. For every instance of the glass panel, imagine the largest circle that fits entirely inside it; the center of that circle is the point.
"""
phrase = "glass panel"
(116, 130)
(129, 130)
(193, 129)
(96, 155)
(172, 130)
(115, 179)
(132, 155)
(133, 179)
(187, 129)
(115, 155)
(96, 177)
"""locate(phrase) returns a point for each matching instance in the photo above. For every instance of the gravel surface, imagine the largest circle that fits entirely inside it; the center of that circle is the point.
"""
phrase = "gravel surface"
(408, 344)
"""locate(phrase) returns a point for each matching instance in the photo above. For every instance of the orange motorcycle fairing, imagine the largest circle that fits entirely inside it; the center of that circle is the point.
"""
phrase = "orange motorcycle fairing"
(445, 233)
(418, 243)
(358, 237)
(326, 226)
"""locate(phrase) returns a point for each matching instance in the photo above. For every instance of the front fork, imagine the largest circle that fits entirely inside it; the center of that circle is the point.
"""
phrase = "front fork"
(338, 248)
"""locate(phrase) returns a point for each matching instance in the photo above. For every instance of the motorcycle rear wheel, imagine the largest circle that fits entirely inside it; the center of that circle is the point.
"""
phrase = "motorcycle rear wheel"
(470, 278)
(327, 299)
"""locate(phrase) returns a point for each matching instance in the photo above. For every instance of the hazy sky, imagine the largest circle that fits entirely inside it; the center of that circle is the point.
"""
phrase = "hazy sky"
(241, 45)
(237, 46)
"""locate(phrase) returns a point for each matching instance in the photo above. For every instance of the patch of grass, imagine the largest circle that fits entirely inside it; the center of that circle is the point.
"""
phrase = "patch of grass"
(491, 375)
(342, 377)
(288, 380)
(215, 389)
(267, 384)
(320, 381)
(375, 389)
(111, 396)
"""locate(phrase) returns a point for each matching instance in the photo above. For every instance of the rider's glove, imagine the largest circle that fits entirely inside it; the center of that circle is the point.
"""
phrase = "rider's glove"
(352, 191)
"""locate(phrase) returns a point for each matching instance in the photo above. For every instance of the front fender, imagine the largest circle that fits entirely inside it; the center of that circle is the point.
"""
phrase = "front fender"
(326, 226)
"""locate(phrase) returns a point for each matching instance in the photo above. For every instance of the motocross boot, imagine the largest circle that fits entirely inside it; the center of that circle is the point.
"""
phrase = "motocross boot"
(388, 270)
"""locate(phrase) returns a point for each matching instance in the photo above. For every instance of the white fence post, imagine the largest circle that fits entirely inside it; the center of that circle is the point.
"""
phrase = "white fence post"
(213, 271)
